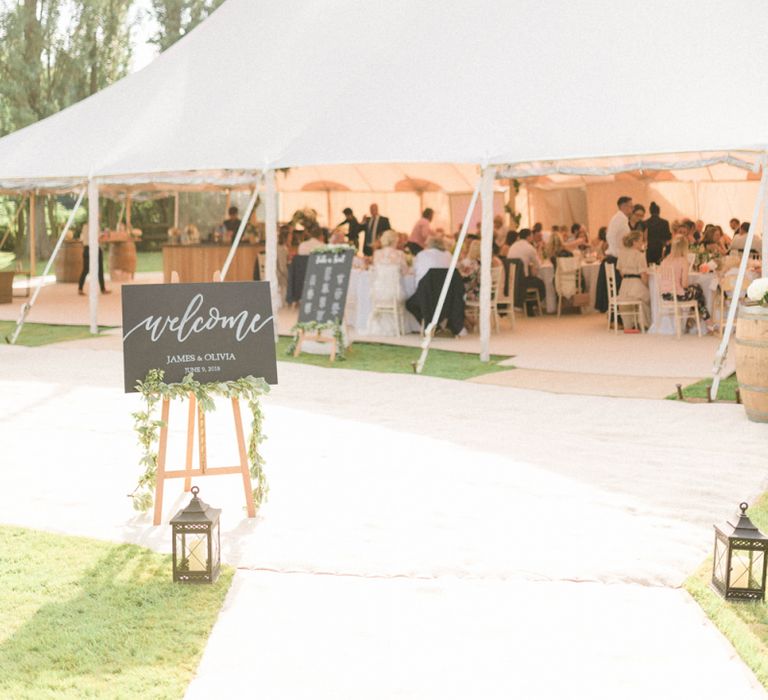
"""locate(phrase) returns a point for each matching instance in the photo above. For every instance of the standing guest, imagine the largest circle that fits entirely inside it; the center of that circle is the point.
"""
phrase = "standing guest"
(657, 233)
(699, 229)
(87, 262)
(523, 250)
(739, 241)
(433, 255)
(374, 225)
(677, 260)
(232, 222)
(634, 274)
(353, 226)
(422, 231)
(734, 224)
(314, 241)
(499, 235)
(636, 222)
(602, 245)
(618, 227)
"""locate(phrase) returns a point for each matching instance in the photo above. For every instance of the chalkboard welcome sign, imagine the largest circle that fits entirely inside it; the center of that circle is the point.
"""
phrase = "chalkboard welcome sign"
(217, 331)
(325, 286)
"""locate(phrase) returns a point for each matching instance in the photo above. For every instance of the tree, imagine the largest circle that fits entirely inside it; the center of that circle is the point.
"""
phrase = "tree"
(178, 17)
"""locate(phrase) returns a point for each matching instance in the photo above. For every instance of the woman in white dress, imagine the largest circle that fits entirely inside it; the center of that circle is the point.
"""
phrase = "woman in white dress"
(389, 265)
(634, 275)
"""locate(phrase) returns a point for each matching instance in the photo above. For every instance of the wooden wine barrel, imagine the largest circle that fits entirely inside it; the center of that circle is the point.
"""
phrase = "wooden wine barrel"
(122, 259)
(69, 262)
(752, 360)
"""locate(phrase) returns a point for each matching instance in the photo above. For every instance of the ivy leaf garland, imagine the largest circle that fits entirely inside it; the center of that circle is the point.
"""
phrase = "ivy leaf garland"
(317, 327)
(153, 390)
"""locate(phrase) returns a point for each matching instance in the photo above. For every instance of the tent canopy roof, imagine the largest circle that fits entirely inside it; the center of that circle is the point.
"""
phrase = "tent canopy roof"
(327, 85)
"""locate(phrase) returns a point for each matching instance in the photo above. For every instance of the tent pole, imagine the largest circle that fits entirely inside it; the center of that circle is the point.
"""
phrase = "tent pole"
(429, 331)
(229, 203)
(270, 233)
(486, 259)
(176, 210)
(722, 351)
(27, 307)
(764, 253)
(93, 249)
(241, 228)
(32, 225)
(128, 203)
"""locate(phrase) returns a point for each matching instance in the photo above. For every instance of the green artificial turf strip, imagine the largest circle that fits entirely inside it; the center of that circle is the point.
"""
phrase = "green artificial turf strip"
(149, 261)
(36, 334)
(397, 359)
(744, 624)
(698, 390)
(81, 618)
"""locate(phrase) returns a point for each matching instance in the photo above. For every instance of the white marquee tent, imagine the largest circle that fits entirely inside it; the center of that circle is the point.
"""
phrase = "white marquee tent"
(517, 88)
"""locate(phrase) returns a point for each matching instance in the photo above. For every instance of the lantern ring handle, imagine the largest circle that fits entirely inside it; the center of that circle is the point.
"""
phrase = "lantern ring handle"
(195, 490)
(743, 505)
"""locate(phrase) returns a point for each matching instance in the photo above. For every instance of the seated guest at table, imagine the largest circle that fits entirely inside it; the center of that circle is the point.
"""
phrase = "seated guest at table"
(232, 222)
(657, 235)
(388, 254)
(522, 250)
(734, 224)
(499, 235)
(434, 255)
(422, 230)
(688, 229)
(315, 240)
(713, 240)
(618, 227)
(578, 238)
(634, 275)
(337, 237)
(677, 262)
(510, 239)
(740, 240)
(555, 248)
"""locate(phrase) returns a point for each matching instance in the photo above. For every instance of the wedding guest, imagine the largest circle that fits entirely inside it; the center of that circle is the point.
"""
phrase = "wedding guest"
(422, 231)
(688, 229)
(315, 240)
(499, 235)
(374, 226)
(523, 250)
(699, 229)
(469, 269)
(87, 262)
(634, 274)
(657, 235)
(578, 238)
(433, 255)
(740, 240)
(354, 227)
(618, 227)
(555, 248)
(713, 240)
(192, 234)
(601, 245)
(734, 224)
(337, 237)
(388, 254)
(636, 222)
(677, 261)
(510, 239)
(232, 222)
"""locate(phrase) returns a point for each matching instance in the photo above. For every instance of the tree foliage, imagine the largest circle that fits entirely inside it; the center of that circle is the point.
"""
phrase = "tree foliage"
(175, 18)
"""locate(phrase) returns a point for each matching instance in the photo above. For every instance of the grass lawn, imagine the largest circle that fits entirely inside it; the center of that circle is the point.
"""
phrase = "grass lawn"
(726, 392)
(151, 261)
(36, 334)
(396, 359)
(744, 624)
(86, 619)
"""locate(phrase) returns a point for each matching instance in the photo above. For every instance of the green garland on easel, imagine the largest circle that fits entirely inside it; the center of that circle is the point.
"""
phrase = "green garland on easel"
(153, 390)
(318, 327)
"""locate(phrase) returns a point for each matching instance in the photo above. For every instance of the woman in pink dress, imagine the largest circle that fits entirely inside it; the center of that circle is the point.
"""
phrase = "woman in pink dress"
(674, 269)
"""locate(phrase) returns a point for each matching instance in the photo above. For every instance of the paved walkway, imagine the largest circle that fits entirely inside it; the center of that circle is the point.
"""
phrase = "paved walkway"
(424, 537)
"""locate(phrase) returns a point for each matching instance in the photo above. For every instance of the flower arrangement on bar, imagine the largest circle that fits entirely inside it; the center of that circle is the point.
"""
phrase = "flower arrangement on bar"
(757, 292)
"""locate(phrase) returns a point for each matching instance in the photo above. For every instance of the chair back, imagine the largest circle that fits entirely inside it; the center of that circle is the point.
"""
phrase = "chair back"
(667, 279)
(496, 281)
(385, 284)
(610, 280)
(567, 276)
(506, 288)
(691, 261)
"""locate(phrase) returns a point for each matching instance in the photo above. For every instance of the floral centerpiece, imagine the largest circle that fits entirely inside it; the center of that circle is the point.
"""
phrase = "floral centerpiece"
(757, 292)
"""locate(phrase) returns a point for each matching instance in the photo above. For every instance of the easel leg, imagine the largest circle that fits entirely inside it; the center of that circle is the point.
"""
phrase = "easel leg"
(299, 341)
(203, 447)
(190, 441)
(333, 350)
(247, 486)
(160, 473)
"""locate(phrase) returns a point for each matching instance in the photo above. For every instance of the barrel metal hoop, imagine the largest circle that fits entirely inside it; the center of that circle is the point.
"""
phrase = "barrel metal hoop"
(752, 343)
(752, 387)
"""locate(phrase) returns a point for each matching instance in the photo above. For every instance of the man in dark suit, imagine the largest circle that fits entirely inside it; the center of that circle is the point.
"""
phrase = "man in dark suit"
(375, 225)
(657, 230)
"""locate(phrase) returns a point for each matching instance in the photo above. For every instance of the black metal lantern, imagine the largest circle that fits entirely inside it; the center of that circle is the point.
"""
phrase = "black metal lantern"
(196, 542)
(740, 561)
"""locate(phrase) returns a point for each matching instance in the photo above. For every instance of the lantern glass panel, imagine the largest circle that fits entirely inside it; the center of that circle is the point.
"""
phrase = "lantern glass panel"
(197, 551)
(746, 569)
(215, 545)
(721, 561)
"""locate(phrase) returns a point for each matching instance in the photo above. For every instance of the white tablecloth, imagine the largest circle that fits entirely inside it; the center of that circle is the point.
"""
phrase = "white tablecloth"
(588, 270)
(358, 309)
(666, 325)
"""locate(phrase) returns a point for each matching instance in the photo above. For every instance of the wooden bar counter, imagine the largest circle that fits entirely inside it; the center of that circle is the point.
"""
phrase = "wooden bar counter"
(198, 262)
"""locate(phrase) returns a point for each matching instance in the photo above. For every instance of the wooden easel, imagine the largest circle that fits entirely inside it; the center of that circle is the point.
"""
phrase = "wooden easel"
(203, 469)
(318, 338)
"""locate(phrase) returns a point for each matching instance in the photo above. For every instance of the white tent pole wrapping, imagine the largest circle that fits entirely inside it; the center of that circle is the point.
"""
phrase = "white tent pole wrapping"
(93, 249)
(175, 210)
(270, 232)
(722, 351)
(764, 252)
(241, 228)
(429, 331)
(486, 258)
(26, 308)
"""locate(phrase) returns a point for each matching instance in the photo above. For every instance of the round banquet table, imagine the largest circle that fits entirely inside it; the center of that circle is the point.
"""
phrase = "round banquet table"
(589, 272)
(359, 304)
